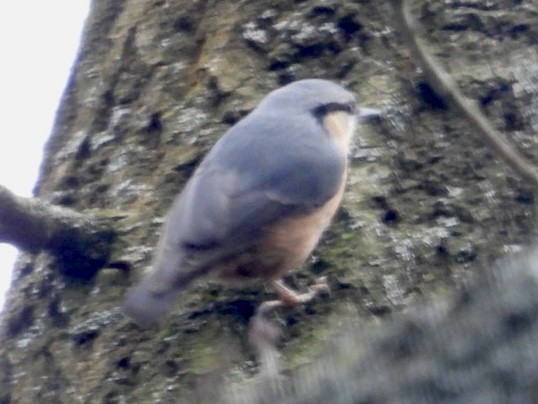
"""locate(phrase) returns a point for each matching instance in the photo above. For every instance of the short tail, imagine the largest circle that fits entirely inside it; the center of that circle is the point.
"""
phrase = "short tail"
(145, 307)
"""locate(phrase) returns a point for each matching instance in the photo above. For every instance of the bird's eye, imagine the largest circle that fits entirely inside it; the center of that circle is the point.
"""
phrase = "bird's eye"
(349, 107)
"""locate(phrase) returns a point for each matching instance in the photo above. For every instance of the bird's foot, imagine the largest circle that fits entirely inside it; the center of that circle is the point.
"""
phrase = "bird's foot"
(289, 297)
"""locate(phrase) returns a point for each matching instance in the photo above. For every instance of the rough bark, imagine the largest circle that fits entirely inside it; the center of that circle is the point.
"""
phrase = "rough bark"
(157, 82)
(476, 348)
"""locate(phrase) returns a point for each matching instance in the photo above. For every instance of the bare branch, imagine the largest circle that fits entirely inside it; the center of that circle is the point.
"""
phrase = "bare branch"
(447, 88)
(81, 241)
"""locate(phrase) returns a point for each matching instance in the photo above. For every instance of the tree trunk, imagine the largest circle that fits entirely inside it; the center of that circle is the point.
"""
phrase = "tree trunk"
(156, 83)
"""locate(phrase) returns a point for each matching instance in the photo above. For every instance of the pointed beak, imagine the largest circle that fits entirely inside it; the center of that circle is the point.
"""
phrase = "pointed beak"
(366, 115)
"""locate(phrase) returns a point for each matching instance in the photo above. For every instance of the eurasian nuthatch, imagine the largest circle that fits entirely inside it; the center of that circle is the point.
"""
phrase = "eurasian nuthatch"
(258, 203)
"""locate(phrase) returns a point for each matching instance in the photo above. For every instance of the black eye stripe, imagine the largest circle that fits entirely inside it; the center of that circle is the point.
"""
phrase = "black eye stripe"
(322, 110)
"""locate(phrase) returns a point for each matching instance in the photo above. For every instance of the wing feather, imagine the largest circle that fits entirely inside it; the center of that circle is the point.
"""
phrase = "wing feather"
(245, 184)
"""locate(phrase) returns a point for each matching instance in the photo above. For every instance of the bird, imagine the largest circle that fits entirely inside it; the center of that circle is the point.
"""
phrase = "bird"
(259, 201)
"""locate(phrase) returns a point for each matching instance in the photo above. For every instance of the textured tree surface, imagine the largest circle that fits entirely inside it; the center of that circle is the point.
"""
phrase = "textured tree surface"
(427, 210)
(477, 348)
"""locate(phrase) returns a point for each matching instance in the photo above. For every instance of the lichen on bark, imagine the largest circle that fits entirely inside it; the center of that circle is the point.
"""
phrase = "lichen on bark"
(154, 86)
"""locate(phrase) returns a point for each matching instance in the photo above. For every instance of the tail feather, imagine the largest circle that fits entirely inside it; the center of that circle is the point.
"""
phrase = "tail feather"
(145, 307)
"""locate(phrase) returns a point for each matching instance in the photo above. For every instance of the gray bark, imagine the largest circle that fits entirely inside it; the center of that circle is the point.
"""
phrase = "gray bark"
(155, 84)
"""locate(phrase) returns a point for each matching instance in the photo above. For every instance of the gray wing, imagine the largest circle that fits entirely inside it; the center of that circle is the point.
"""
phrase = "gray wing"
(243, 185)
